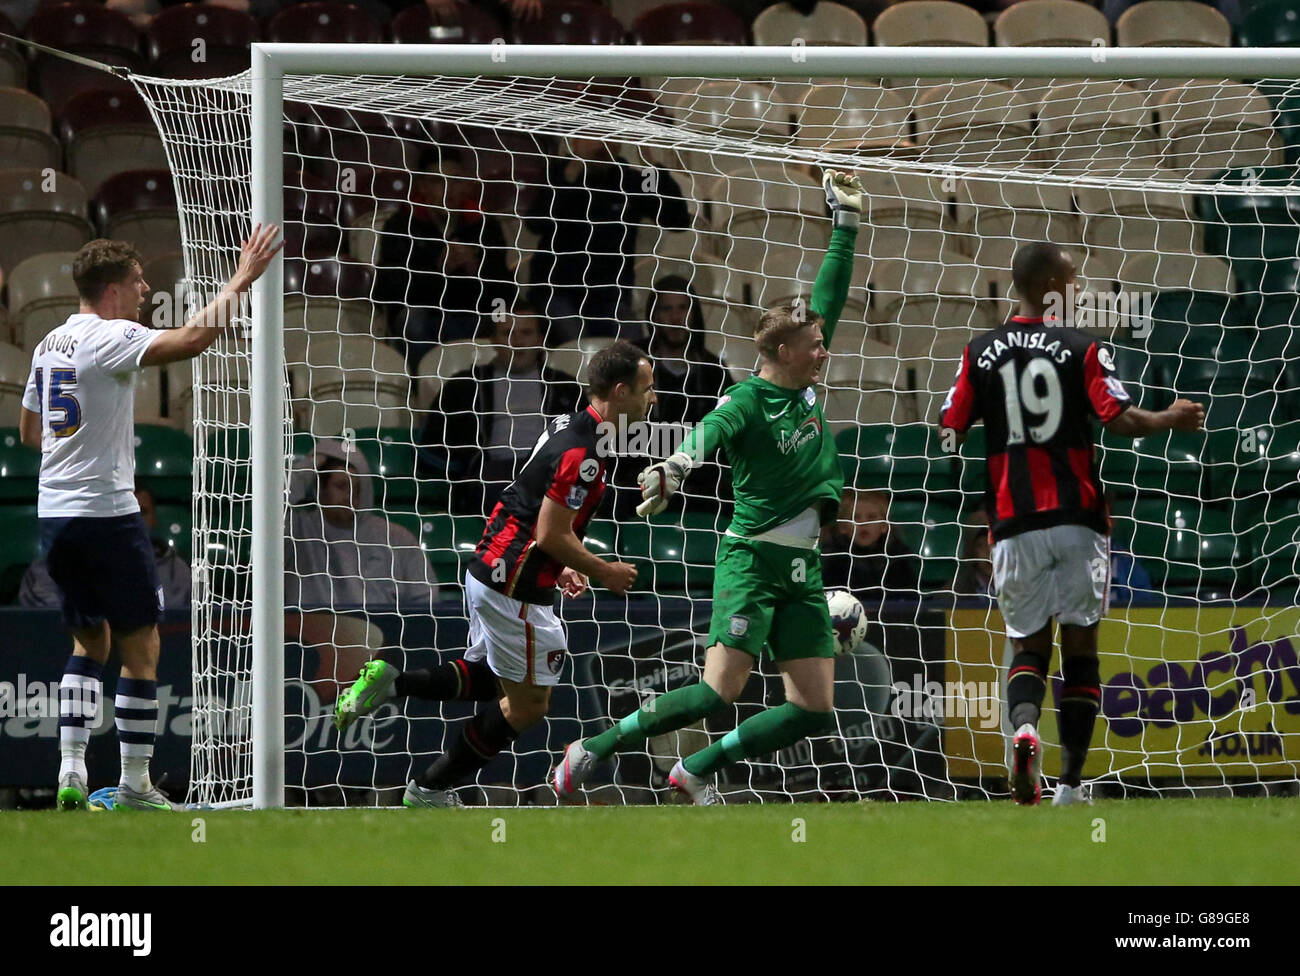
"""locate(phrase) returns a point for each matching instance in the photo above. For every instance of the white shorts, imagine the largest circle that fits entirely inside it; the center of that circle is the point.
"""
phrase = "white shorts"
(522, 642)
(1061, 572)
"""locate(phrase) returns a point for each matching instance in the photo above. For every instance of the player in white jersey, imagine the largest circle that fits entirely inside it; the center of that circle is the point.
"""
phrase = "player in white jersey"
(78, 408)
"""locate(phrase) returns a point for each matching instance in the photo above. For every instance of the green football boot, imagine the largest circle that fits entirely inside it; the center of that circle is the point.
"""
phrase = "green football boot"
(72, 792)
(373, 687)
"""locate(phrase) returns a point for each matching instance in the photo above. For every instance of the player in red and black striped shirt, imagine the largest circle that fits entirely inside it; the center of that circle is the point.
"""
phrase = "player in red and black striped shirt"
(532, 544)
(1038, 384)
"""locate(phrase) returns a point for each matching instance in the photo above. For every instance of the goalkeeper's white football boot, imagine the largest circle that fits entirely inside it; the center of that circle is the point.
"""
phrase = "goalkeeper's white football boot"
(72, 792)
(1026, 766)
(152, 799)
(417, 797)
(373, 687)
(701, 792)
(572, 770)
(1069, 796)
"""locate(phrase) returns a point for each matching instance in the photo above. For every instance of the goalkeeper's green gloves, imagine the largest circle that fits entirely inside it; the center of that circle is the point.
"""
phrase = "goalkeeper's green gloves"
(844, 196)
(660, 482)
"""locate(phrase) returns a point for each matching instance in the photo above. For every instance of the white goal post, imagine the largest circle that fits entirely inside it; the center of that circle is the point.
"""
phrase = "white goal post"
(272, 64)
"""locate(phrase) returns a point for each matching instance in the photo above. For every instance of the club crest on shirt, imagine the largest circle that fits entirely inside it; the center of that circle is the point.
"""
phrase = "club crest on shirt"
(577, 495)
(555, 661)
(725, 398)
(739, 625)
(809, 397)
(1103, 357)
(588, 470)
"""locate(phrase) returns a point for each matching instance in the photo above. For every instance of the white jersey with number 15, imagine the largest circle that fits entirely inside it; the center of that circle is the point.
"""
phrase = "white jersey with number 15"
(82, 383)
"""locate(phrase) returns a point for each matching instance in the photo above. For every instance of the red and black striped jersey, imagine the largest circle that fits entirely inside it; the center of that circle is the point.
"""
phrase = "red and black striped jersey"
(565, 467)
(1037, 387)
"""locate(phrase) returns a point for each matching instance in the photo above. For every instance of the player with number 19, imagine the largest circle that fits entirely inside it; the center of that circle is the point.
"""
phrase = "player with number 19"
(1038, 384)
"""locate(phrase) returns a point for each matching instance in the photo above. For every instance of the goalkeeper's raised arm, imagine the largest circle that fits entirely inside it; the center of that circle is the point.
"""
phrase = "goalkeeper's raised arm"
(794, 364)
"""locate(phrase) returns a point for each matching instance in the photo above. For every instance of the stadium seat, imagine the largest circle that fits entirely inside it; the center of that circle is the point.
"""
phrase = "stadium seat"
(1246, 466)
(140, 206)
(443, 362)
(1050, 23)
(1095, 126)
(83, 28)
(466, 23)
(1184, 546)
(936, 535)
(972, 123)
(1209, 126)
(862, 118)
(1191, 290)
(1254, 231)
(164, 457)
(327, 295)
(20, 468)
(994, 218)
(13, 66)
(42, 295)
(342, 381)
(1158, 463)
(904, 459)
(20, 531)
(569, 22)
(930, 23)
(108, 132)
(40, 212)
(689, 23)
(58, 81)
(311, 216)
(572, 357)
(448, 541)
(1172, 23)
(1270, 23)
(25, 138)
(1120, 222)
(1276, 541)
(175, 528)
(324, 23)
(827, 23)
(727, 107)
(903, 214)
(226, 35)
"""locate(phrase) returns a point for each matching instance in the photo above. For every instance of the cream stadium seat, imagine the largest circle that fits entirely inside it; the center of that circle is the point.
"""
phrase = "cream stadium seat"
(995, 218)
(858, 118)
(829, 23)
(1051, 23)
(42, 295)
(441, 363)
(1172, 23)
(974, 123)
(40, 212)
(352, 381)
(25, 137)
(15, 365)
(930, 23)
(1096, 126)
(1211, 125)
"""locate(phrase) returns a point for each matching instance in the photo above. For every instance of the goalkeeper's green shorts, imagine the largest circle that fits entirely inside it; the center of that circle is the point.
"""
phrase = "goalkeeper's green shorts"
(770, 597)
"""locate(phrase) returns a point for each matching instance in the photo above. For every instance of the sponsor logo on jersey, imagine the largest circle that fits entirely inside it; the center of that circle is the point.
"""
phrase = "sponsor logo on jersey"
(739, 625)
(577, 495)
(791, 441)
(1116, 388)
(134, 331)
(555, 661)
(588, 470)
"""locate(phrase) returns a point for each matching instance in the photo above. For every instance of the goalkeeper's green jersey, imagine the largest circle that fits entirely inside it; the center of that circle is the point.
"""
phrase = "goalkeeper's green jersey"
(783, 457)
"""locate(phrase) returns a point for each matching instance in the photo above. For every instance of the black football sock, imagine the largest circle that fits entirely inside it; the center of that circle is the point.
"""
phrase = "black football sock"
(459, 680)
(1026, 685)
(478, 743)
(1077, 710)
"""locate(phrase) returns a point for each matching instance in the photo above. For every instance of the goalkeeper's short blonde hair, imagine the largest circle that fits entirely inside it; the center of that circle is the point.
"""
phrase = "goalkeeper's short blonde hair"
(778, 325)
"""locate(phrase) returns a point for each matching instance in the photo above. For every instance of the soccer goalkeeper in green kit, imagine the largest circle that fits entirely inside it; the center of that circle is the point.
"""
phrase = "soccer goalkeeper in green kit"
(768, 587)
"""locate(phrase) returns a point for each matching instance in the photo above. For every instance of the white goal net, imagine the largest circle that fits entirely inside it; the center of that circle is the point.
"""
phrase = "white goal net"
(460, 246)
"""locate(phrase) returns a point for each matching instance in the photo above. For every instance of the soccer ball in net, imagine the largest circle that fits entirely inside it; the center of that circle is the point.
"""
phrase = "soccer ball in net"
(848, 620)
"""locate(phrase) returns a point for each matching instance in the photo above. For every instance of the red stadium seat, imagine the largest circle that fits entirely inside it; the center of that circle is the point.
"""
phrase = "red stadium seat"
(467, 24)
(107, 132)
(84, 28)
(226, 35)
(570, 22)
(328, 278)
(58, 81)
(324, 23)
(140, 206)
(311, 213)
(690, 23)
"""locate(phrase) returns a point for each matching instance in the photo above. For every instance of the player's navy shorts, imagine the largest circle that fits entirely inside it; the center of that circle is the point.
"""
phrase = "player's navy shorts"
(105, 569)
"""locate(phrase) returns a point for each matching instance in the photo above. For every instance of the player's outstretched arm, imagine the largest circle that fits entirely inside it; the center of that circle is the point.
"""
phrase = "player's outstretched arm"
(844, 196)
(557, 539)
(1179, 415)
(202, 330)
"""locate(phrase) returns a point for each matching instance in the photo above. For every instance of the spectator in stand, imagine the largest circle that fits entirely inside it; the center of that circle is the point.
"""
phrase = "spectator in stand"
(344, 563)
(38, 588)
(975, 570)
(442, 261)
(586, 216)
(486, 420)
(863, 554)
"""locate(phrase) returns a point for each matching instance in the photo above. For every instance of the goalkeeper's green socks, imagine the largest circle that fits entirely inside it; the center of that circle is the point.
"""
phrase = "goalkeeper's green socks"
(675, 710)
(766, 732)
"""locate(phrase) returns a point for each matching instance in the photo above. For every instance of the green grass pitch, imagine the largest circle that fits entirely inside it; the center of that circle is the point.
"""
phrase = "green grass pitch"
(1204, 841)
